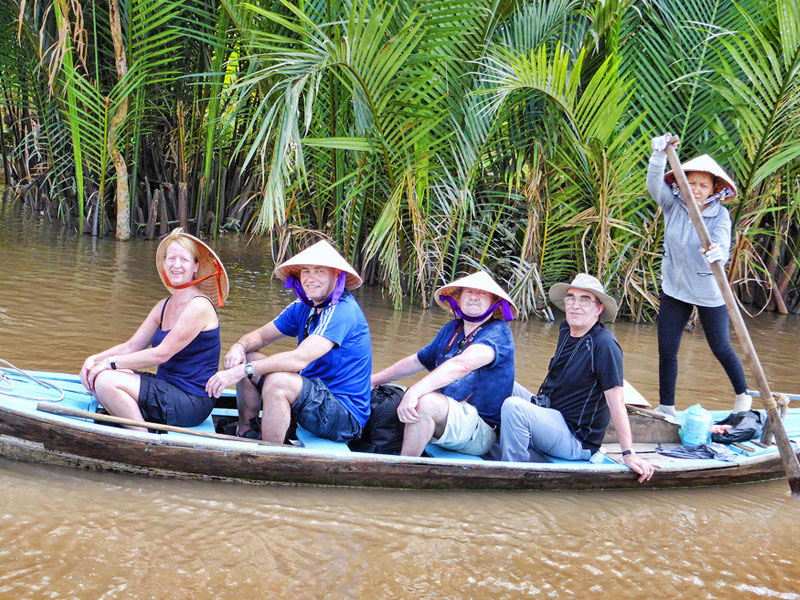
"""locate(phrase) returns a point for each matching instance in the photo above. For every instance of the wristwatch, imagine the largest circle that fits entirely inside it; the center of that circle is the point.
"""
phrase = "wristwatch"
(249, 369)
(626, 452)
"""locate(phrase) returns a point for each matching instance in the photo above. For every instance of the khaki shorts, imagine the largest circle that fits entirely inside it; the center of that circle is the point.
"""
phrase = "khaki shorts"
(465, 431)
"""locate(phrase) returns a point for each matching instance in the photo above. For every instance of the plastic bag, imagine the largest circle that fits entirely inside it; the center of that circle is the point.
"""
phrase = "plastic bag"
(744, 425)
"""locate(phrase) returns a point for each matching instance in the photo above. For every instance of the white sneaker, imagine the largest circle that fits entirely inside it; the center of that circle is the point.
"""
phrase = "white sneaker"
(668, 412)
(742, 402)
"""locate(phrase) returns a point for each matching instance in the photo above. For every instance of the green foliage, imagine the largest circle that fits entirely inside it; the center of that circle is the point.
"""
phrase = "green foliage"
(428, 139)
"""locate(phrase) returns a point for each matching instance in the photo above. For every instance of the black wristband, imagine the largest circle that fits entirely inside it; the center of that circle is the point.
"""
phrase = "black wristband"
(626, 453)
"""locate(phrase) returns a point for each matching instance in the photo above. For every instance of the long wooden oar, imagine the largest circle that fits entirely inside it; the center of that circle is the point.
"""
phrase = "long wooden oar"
(788, 458)
(58, 409)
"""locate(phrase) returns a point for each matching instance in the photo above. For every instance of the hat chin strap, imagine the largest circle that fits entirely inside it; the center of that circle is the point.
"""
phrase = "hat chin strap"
(508, 315)
(293, 283)
(217, 274)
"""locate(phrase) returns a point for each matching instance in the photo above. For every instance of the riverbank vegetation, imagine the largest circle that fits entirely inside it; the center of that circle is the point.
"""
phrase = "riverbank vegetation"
(423, 138)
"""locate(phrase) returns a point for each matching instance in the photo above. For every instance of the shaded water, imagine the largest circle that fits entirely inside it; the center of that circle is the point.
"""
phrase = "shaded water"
(76, 534)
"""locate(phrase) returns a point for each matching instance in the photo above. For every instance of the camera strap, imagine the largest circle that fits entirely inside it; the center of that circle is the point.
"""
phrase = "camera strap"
(465, 342)
(559, 350)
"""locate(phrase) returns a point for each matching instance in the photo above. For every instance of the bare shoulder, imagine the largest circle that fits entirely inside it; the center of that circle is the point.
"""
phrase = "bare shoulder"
(155, 312)
(201, 308)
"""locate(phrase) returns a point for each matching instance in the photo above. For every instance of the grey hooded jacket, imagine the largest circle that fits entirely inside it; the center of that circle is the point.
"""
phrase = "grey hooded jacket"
(685, 274)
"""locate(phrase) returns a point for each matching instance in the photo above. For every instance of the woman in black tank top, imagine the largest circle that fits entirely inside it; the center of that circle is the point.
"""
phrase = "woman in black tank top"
(180, 336)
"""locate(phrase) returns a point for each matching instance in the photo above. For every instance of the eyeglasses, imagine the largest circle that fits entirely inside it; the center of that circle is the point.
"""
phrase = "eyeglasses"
(584, 301)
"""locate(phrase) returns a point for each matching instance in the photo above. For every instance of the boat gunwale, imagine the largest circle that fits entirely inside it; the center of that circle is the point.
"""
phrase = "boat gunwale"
(357, 469)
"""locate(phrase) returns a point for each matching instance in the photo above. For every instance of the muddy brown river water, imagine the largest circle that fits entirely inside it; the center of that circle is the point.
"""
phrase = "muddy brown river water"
(75, 534)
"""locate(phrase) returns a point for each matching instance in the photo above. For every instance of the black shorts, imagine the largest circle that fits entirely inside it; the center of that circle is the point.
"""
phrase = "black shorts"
(320, 412)
(162, 402)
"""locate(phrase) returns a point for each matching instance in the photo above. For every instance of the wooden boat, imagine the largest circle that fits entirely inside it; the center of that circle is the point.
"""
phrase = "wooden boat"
(30, 431)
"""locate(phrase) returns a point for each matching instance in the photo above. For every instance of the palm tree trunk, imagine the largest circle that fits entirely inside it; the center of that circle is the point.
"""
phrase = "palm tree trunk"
(123, 193)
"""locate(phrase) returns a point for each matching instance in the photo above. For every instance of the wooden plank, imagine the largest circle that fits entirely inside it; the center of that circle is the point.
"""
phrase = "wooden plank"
(645, 428)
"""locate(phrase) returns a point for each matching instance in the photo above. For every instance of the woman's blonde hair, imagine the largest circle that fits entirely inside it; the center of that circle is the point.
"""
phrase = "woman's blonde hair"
(176, 235)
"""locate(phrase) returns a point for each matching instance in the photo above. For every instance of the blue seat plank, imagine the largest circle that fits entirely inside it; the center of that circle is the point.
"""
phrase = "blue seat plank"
(206, 426)
(439, 452)
(312, 442)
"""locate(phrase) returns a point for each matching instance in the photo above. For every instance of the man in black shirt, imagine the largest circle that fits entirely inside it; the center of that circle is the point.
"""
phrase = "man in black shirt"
(582, 389)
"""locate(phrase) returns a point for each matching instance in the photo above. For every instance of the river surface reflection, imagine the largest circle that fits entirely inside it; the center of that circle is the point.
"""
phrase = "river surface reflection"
(77, 534)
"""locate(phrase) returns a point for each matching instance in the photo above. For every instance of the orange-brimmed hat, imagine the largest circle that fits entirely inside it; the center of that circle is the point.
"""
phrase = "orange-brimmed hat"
(477, 281)
(321, 254)
(706, 164)
(211, 278)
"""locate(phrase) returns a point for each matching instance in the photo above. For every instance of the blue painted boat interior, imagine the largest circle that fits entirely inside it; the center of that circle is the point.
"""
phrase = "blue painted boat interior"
(75, 396)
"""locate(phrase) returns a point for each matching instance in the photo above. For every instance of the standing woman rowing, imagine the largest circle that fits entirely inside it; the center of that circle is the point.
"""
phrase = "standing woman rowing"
(686, 276)
(181, 336)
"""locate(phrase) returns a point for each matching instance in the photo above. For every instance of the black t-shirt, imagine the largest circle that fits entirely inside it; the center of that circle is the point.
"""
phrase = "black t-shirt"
(580, 371)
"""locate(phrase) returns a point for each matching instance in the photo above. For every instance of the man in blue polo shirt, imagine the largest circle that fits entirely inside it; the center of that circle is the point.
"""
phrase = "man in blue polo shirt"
(324, 383)
(471, 371)
(581, 391)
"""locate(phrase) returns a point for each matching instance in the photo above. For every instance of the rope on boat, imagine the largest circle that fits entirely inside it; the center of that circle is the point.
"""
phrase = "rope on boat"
(6, 383)
(782, 400)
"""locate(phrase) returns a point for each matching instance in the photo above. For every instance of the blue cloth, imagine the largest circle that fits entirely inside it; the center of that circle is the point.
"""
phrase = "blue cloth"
(191, 368)
(685, 274)
(485, 388)
(346, 369)
(704, 451)
(581, 370)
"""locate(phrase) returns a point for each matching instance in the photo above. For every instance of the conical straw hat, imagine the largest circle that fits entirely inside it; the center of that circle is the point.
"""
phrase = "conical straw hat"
(320, 254)
(477, 281)
(215, 286)
(706, 164)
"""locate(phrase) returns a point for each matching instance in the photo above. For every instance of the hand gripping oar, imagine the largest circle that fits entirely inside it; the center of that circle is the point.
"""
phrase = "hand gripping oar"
(788, 457)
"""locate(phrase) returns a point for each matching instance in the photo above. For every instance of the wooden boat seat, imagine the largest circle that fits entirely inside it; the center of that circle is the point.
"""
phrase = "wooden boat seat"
(304, 436)
(311, 441)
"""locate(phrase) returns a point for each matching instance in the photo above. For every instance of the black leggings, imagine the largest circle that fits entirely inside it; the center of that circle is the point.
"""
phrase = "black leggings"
(672, 318)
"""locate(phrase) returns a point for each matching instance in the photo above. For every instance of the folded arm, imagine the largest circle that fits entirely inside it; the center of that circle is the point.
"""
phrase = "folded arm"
(474, 357)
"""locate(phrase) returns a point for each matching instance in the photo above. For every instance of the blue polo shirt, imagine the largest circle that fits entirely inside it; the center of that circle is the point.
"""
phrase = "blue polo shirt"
(484, 388)
(346, 369)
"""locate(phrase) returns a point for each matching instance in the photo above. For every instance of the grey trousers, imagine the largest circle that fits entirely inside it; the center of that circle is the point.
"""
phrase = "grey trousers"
(528, 430)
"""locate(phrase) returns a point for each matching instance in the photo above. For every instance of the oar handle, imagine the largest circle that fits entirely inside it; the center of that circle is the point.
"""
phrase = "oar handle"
(788, 457)
(67, 411)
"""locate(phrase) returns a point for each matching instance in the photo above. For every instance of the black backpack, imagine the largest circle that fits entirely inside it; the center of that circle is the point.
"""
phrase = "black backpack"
(383, 432)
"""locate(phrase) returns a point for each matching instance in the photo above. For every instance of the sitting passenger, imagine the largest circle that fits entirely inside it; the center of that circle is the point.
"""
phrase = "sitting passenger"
(184, 334)
(569, 416)
(323, 384)
(471, 363)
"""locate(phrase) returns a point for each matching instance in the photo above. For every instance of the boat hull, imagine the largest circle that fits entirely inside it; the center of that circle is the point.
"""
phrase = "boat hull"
(31, 435)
